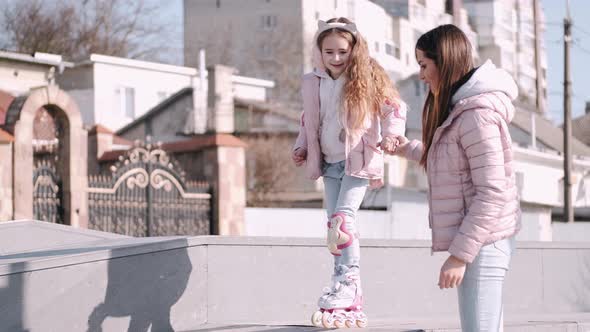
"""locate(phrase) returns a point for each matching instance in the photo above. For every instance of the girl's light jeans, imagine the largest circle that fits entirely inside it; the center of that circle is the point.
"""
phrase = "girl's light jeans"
(480, 292)
(344, 194)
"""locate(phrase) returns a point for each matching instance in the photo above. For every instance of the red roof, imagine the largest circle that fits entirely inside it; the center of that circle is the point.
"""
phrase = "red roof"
(203, 141)
(195, 143)
(99, 129)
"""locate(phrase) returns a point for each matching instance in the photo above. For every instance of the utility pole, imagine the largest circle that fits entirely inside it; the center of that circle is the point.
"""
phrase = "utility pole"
(539, 82)
(567, 115)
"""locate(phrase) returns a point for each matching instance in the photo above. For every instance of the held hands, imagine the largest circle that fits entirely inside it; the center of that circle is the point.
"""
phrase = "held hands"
(394, 145)
(451, 273)
(299, 156)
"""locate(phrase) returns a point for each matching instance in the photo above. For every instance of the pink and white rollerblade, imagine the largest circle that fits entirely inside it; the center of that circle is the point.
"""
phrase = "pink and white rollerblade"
(341, 305)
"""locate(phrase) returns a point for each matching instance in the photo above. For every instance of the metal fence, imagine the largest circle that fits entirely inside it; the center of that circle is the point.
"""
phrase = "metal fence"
(146, 194)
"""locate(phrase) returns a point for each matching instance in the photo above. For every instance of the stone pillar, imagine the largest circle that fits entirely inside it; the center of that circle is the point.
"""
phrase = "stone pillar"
(6, 207)
(225, 167)
(100, 140)
(220, 100)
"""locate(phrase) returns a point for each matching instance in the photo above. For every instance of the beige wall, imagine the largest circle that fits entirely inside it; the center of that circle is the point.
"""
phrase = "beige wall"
(18, 77)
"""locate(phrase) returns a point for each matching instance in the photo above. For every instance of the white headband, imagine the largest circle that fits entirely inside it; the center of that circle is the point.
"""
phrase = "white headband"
(323, 26)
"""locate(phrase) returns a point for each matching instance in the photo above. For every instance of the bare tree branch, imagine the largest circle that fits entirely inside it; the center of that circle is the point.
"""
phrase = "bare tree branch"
(77, 29)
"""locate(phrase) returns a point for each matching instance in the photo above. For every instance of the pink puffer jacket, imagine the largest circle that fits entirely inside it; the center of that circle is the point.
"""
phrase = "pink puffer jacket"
(363, 158)
(472, 194)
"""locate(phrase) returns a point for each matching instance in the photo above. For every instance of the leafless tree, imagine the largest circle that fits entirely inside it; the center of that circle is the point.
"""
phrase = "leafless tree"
(270, 168)
(76, 29)
(281, 57)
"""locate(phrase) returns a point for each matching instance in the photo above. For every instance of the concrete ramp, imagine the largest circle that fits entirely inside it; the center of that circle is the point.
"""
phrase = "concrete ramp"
(59, 278)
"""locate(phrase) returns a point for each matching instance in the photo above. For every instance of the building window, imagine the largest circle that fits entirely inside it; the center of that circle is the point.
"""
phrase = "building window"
(389, 49)
(376, 47)
(266, 51)
(269, 22)
(392, 50)
(126, 98)
(218, 3)
(317, 15)
(335, 3)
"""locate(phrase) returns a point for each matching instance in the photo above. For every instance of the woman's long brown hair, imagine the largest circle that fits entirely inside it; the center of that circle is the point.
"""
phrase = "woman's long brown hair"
(450, 50)
(367, 85)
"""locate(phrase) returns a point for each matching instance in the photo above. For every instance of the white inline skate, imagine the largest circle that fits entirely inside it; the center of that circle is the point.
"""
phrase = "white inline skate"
(341, 305)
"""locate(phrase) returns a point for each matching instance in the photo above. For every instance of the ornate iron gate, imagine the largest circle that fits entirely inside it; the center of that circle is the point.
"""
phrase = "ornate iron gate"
(47, 193)
(48, 202)
(146, 194)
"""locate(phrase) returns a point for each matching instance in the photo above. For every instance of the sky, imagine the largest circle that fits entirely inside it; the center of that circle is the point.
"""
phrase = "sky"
(579, 56)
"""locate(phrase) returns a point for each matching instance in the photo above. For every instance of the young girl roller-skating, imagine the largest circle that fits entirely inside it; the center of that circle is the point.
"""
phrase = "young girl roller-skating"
(351, 113)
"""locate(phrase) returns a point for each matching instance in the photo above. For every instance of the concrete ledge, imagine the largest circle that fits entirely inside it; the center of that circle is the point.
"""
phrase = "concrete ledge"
(100, 280)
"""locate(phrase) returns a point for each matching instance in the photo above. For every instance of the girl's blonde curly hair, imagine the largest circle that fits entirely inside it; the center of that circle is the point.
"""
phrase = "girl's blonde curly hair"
(367, 86)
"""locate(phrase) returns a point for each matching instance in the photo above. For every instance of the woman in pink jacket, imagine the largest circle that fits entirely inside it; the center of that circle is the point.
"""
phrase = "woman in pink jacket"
(350, 109)
(467, 154)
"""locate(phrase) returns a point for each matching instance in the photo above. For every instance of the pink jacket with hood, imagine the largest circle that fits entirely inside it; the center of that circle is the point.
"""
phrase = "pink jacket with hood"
(472, 194)
(363, 158)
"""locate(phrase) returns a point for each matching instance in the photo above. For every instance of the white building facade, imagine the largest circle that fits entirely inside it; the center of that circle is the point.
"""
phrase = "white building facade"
(114, 91)
(506, 30)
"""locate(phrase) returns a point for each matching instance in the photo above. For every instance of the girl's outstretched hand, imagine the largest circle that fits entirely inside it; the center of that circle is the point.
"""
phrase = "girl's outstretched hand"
(451, 273)
(394, 145)
(299, 156)
(388, 144)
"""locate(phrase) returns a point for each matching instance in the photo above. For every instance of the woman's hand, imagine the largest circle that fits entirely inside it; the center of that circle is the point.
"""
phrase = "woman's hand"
(451, 273)
(299, 156)
(394, 145)
(388, 144)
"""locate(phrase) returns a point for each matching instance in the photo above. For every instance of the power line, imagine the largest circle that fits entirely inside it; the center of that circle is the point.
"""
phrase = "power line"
(577, 45)
(581, 30)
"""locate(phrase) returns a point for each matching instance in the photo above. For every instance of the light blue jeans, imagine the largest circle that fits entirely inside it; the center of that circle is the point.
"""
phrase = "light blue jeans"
(344, 194)
(480, 292)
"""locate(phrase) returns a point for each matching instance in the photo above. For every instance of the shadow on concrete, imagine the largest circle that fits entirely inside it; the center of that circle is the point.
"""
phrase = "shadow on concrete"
(144, 289)
(11, 301)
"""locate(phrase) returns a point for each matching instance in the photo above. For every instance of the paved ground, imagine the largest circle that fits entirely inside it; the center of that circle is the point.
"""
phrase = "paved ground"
(565, 322)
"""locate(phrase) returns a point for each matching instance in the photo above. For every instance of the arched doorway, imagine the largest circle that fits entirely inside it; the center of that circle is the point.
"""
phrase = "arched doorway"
(50, 157)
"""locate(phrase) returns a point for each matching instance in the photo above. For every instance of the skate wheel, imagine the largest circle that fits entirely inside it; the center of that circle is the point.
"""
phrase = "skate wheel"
(339, 323)
(350, 323)
(327, 320)
(361, 323)
(316, 318)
